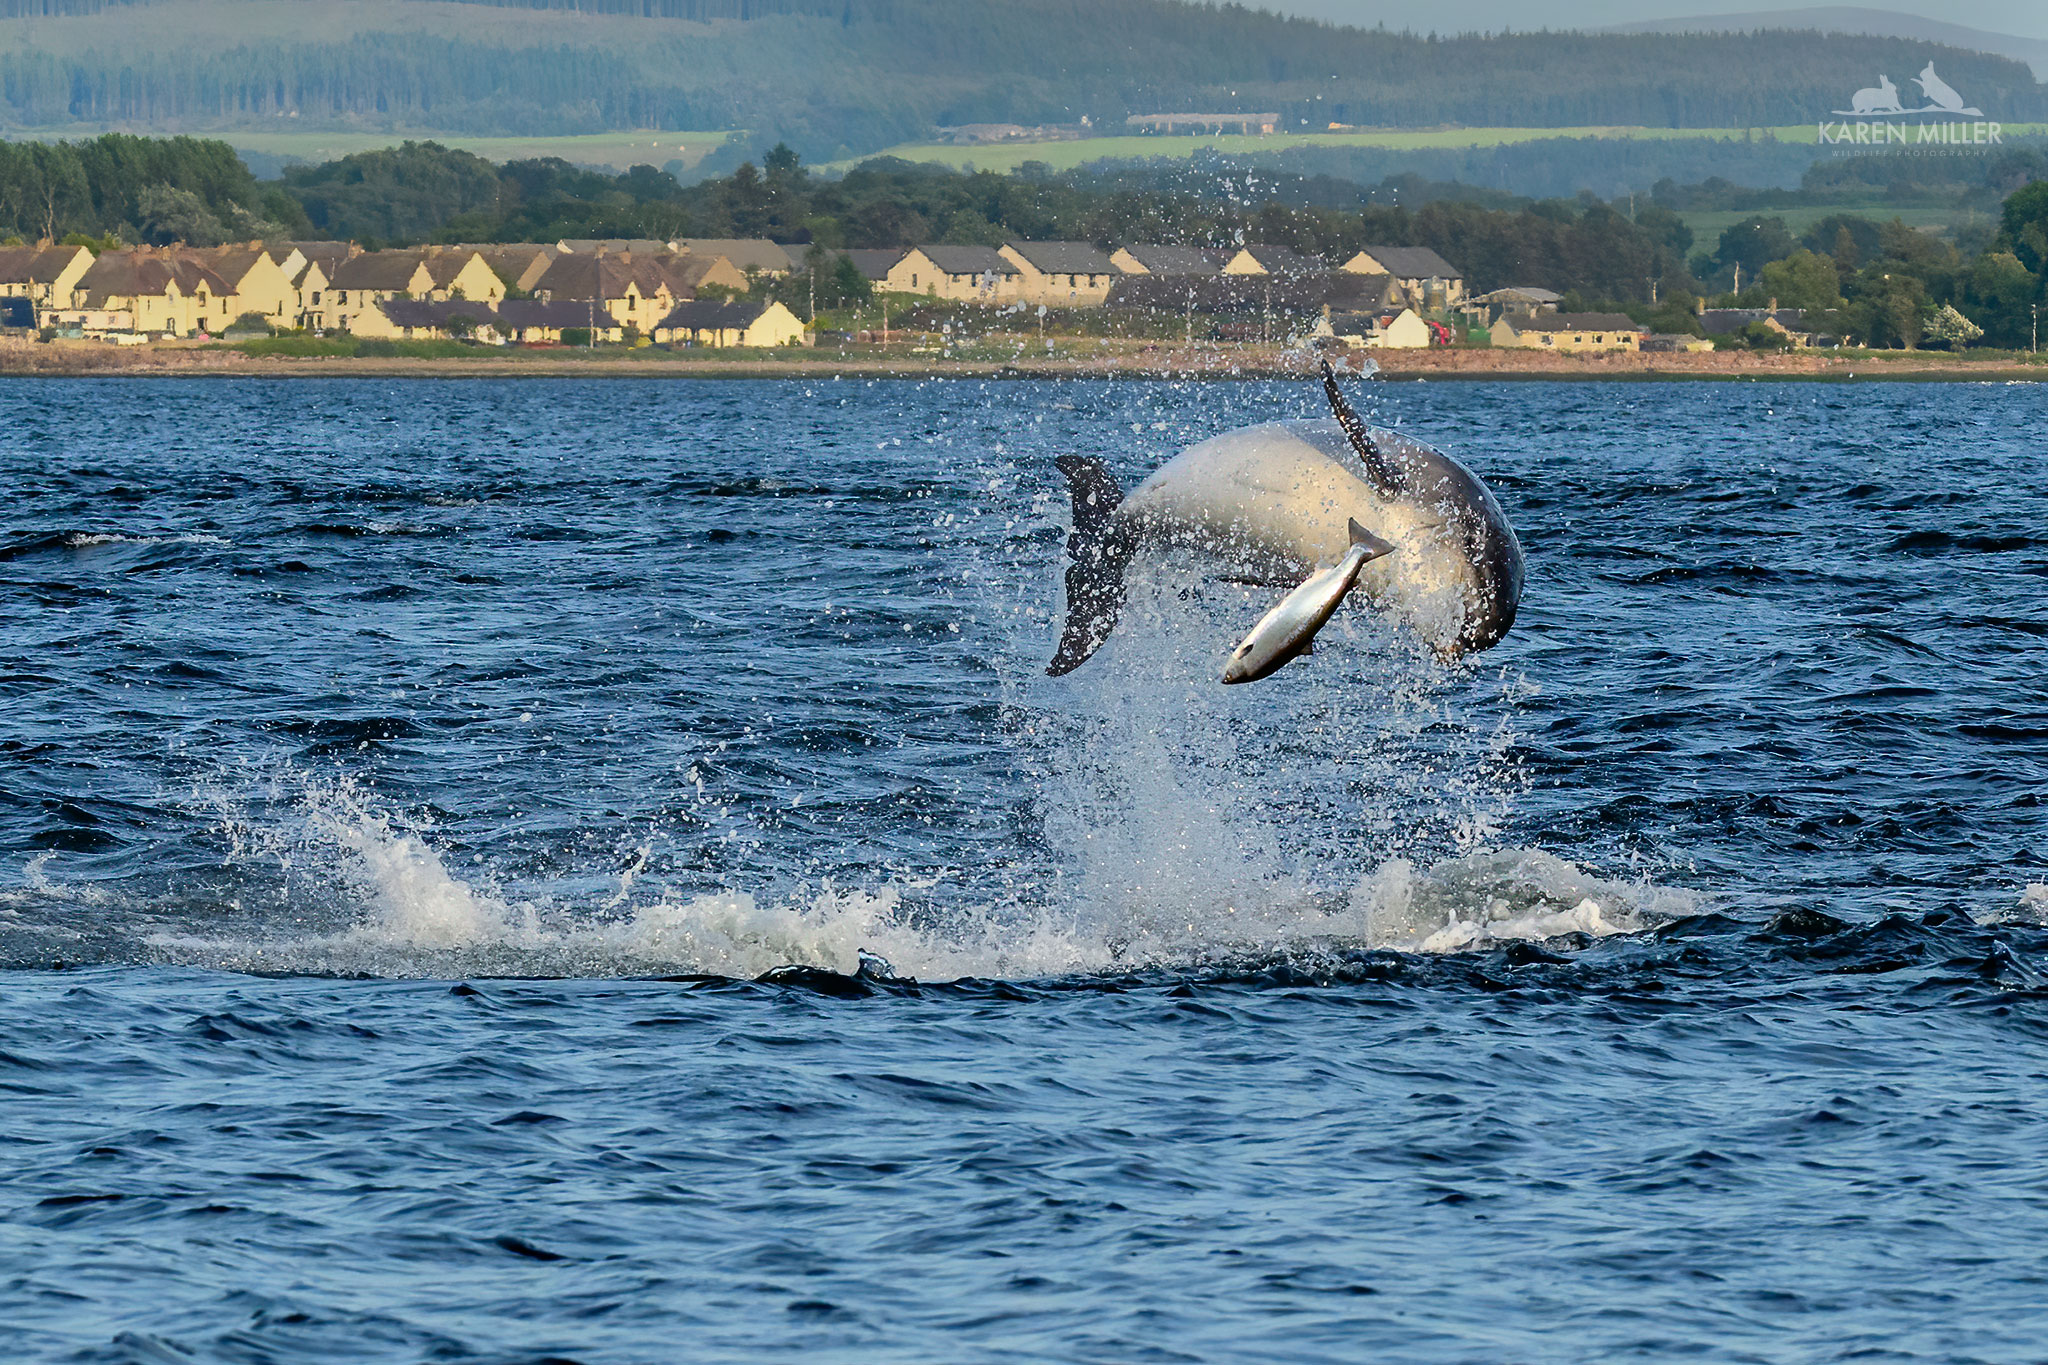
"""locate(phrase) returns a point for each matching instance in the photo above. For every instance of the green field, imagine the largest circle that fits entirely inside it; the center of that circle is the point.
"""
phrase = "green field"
(1064, 156)
(1707, 226)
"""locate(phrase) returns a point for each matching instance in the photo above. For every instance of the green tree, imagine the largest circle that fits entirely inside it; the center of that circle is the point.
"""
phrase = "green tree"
(1951, 328)
(2024, 225)
(1803, 280)
(1752, 244)
(2001, 293)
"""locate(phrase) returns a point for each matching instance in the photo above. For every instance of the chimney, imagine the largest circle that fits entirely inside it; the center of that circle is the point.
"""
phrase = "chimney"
(1774, 305)
(1699, 306)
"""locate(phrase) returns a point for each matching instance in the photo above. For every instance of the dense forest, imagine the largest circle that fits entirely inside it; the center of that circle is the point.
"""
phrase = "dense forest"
(855, 75)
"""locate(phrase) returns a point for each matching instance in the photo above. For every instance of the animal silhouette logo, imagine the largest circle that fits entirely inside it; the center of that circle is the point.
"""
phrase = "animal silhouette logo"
(1941, 96)
(1883, 98)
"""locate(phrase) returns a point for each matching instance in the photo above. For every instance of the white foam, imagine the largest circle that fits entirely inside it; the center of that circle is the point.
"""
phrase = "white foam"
(84, 540)
(404, 912)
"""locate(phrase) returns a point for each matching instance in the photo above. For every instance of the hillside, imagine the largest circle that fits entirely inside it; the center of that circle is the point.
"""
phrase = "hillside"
(843, 77)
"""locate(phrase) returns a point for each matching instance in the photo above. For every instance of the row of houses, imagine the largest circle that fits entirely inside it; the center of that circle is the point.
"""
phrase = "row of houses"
(1548, 329)
(609, 288)
(1081, 275)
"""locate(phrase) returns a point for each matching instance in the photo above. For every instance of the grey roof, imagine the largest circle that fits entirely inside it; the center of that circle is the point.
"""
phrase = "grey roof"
(1179, 260)
(1339, 291)
(1721, 321)
(1283, 260)
(34, 264)
(434, 312)
(601, 277)
(874, 264)
(1064, 258)
(1575, 322)
(706, 315)
(748, 253)
(517, 313)
(1414, 263)
(967, 260)
(612, 246)
(125, 274)
(1519, 293)
(375, 270)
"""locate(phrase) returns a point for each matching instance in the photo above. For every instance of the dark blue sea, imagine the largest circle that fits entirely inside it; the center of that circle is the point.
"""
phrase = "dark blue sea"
(595, 872)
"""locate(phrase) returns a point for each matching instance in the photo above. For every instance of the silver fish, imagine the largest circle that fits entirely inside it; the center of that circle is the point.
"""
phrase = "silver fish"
(1289, 629)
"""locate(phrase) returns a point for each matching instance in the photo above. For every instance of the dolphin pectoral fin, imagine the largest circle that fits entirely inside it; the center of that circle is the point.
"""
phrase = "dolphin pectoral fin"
(1098, 550)
(1388, 479)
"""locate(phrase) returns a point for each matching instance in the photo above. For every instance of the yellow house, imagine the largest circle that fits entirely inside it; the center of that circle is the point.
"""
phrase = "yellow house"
(1261, 258)
(1405, 331)
(707, 322)
(630, 291)
(748, 255)
(1425, 279)
(259, 283)
(519, 264)
(969, 274)
(1568, 332)
(1168, 260)
(45, 275)
(1061, 274)
(461, 273)
(311, 266)
(165, 290)
(358, 281)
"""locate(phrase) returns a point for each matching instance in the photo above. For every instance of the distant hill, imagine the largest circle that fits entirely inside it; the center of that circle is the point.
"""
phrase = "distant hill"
(842, 77)
(1851, 19)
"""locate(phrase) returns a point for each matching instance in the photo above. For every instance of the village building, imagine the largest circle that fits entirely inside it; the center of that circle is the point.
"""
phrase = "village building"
(367, 278)
(1488, 308)
(519, 265)
(1402, 329)
(713, 323)
(1674, 342)
(632, 292)
(690, 276)
(749, 255)
(614, 246)
(44, 275)
(460, 273)
(1265, 259)
(257, 283)
(1568, 331)
(538, 322)
(1258, 124)
(1061, 274)
(161, 290)
(1789, 323)
(1168, 260)
(874, 265)
(968, 274)
(1426, 280)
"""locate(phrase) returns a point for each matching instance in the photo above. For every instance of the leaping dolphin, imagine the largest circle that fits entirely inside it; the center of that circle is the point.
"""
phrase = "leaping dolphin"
(1276, 501)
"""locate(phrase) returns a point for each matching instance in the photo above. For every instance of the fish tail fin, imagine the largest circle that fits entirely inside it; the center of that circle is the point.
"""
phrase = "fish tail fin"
(1098, 551)
(1361, 536)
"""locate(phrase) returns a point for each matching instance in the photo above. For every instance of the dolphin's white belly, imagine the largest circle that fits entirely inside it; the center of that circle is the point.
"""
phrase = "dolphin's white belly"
(1275, 502)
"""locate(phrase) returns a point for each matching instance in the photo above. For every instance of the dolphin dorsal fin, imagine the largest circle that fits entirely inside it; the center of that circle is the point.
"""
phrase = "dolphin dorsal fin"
(1387, 478)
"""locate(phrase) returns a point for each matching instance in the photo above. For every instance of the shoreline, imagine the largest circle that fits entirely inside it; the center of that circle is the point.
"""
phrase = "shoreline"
(1117, 360)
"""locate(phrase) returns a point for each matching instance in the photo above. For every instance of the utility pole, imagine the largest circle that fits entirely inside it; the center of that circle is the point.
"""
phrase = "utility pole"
(1738, 277)
(2037, 330)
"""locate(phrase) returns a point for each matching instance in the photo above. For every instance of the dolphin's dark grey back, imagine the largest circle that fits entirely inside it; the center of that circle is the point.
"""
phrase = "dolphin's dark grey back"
(1098, 552)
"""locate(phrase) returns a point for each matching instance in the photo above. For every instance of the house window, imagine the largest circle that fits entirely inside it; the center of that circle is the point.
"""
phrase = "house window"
(316, 298)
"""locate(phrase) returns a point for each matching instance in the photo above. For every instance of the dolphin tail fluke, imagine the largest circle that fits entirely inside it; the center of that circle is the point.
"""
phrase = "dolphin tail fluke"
(1375, 547)
(1098, 551)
